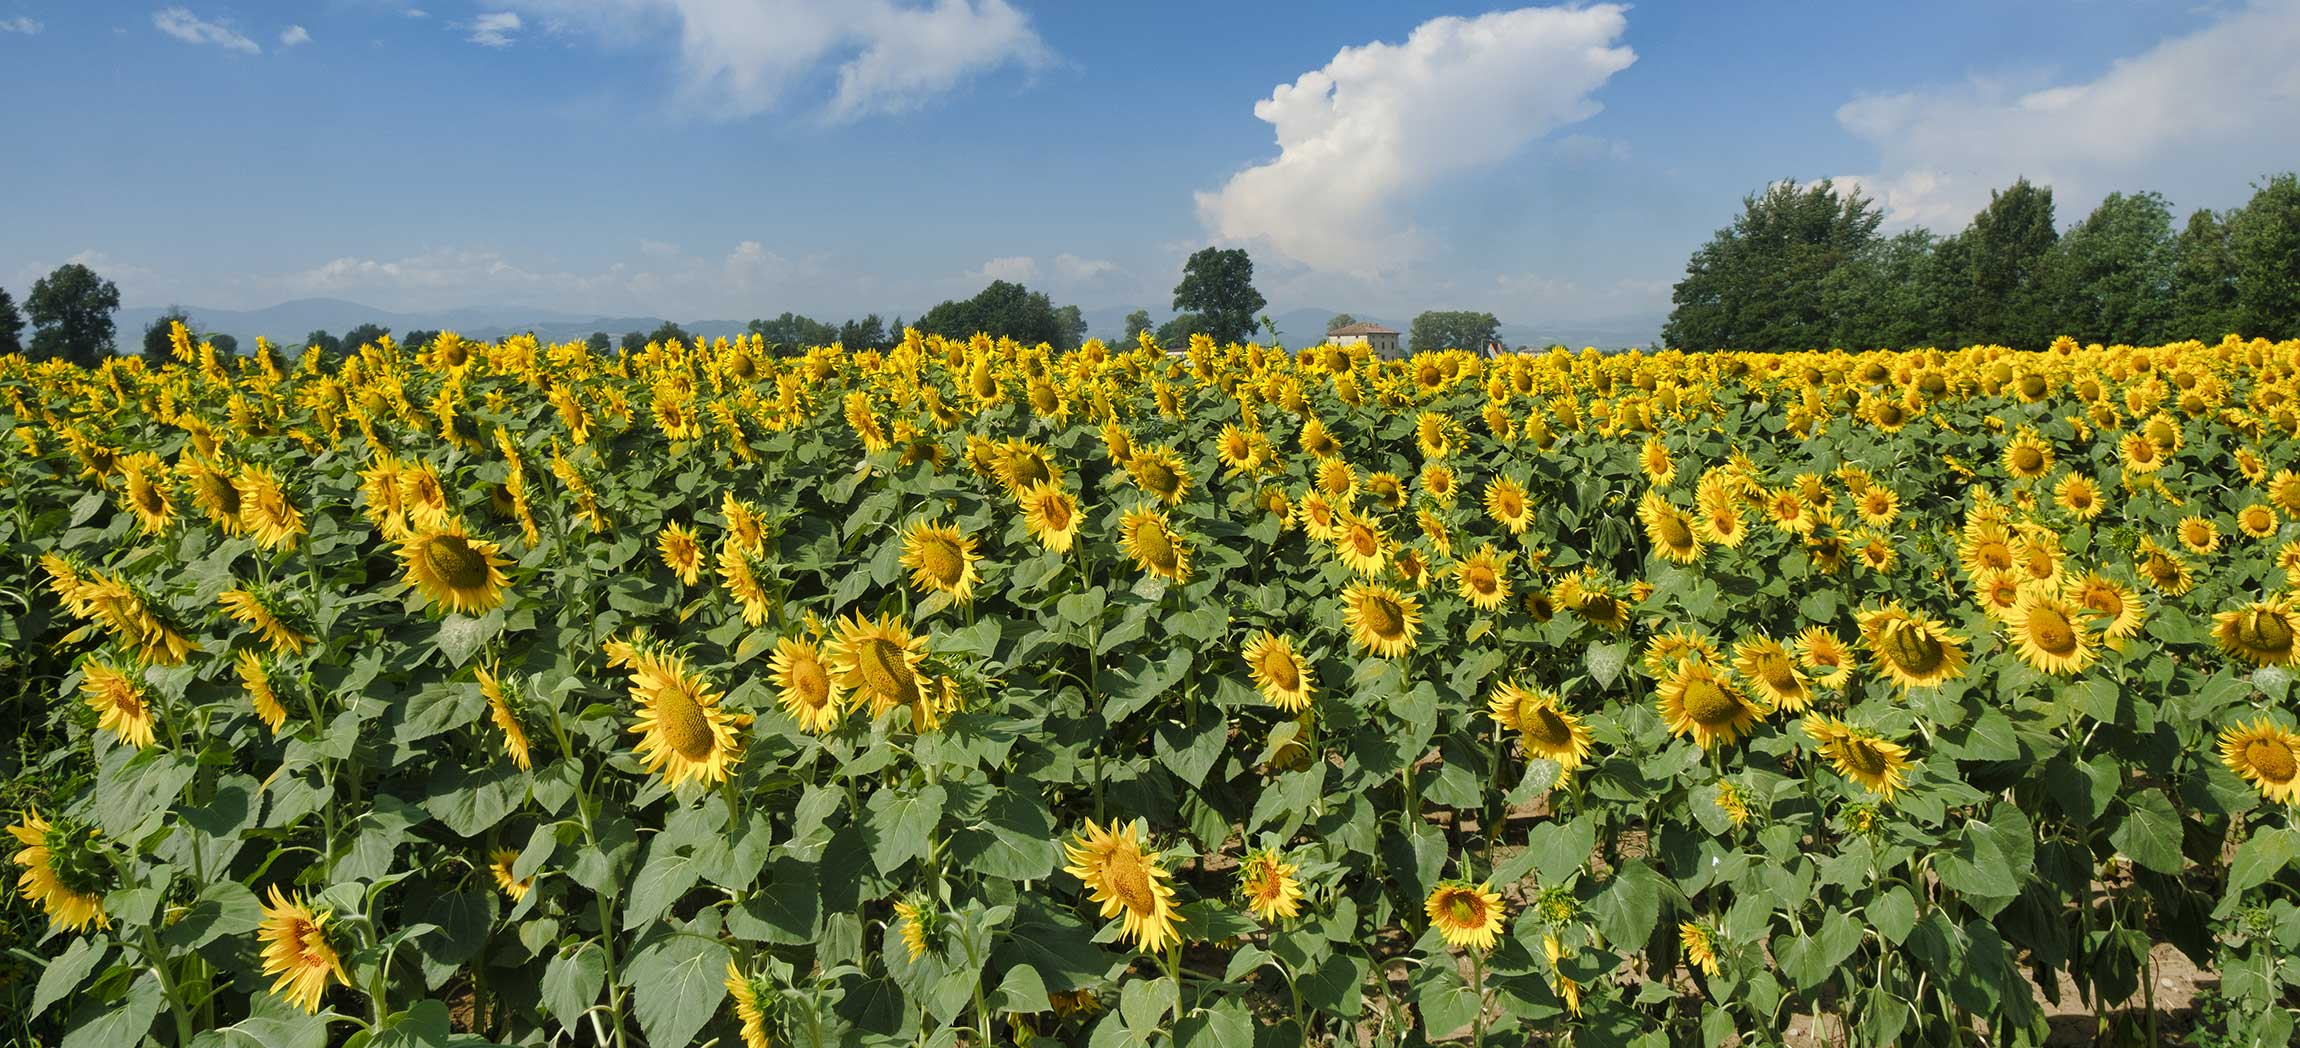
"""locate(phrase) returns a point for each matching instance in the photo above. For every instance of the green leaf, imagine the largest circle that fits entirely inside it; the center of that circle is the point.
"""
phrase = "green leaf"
(668, 874)
(1015, 840)
(786, 910)
(1225, 1025)
(222, 908)
(1561, 848)
(2265, 855)
(1631, 902)
(571, 982)
(110, 1024)
(1892, 914)
(1191, 750)
(679, 982)
(274, 1024)
(1021, 991)
(66, 971)
(461, 636)
(2150, 832)
(471, 802)
(901, 824)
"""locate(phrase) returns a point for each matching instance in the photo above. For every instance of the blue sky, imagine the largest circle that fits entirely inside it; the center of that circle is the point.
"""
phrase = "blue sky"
(731, 158)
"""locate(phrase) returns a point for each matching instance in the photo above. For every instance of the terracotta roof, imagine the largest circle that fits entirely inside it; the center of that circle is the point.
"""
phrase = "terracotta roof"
(1363, 329)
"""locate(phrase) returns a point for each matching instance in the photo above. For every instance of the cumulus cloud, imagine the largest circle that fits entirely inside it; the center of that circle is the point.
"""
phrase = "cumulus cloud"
(294, 35)
(1018, 268)
(181, 23)
(2199, 114)
(20, 24)
(1080, 270)
(1360, 139)
(494, 29)
(663, 281)
(740, 58)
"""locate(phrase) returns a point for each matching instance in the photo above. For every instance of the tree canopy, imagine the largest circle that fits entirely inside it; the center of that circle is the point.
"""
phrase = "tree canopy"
(11, 325)
(71, 311)
(1218, 287)
(1436, 330)
(1005, 310)
(160, 336)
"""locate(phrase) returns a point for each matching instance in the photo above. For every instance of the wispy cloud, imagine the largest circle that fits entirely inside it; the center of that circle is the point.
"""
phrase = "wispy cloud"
(20, 24)
(494, 29)
(181, 23)
(294, 36)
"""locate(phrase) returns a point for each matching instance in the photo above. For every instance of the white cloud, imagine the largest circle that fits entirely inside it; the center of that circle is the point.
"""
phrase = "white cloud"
(665, 281)
(740, 58)
(294, 35)
(1017, 268)
(2198, 114)
(1362, 138)
(20, 24)
(1080, 270)
(495, 29)
(181, 23)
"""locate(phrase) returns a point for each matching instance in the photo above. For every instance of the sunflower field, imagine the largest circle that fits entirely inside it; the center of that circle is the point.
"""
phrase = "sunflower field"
(973, 693)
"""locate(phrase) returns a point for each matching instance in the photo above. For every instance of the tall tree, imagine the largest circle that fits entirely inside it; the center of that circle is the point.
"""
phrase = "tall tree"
(1137, 322)
(225, 344)
(793, 333)
(2111, 280)
(1175, 333)
(867, 333)
(11, 326)
(71, 311)
(160, 337)
(363, 335)
(2009, 251)
(329, 345)
(419, 338)
(1884, 297)
(1070, 324)
(634, 341)
(2265, 239)
(600, 342)
(667, 331)
(1758, 283)
(1436, 330)
(1339, 321)
(1218, 286)
(2203, 279)
(1003, 309)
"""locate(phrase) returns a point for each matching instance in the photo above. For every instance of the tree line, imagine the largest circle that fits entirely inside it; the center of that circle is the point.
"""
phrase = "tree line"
(1806, 266)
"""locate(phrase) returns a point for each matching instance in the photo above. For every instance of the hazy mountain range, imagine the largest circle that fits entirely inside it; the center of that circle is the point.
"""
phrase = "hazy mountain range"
(289, 322)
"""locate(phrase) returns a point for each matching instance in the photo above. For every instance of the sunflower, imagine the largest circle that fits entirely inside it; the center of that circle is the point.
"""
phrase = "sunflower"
(742, 582)
(500, 862)
(1699, 699)
(1284, 680)
(1788, 510)
(1361, 544)
(2026, 456)
(1700, 947)
(256, 680)
(1434, 529)
(1411, 567)
(1237, 450)
(1825, 657)
(2266, 755)
(1766, 664)
(2163, 568)
(744, 528)
(1268, 885)
(803, 685)
(119, 701)
(683, 734)
(1467, 915)
(1653, 459)
(2257, 521)
(1719, 520)
(1126, 881)
(1051, 514)
(2261, 633)
(421, 495)
(1319, 516)
(2048, 633)
(1156, 550)
(454, 571)
(1913, 651)
(1159, 472)
(1998, 592)
(1566, 988)
(213, 492)
(1387, 491)
(1505, 503)
(1662, 650)
(1316, 440)
(506, 719)
(296, 949)
(941, 560)
(2111, 600)
(877, 662)
(2140, 453)
(61, 873)
(1437, 482)
(1483, 579)
(253, 609)
(2199, 534)
(682, 553)
(914, 913)
(1861, 755)
(1668, 528)
(1382, 620)
(265, 509)
(2284, 491)
(1544, 728)
(2077, 494)
(1336, 478)
(1877, 506)
(1733, 800)
(145, 493)
(1433, 432)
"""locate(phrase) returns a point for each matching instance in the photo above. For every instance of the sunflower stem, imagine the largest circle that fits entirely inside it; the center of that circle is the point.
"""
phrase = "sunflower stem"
(1477, 977)
(168, 988)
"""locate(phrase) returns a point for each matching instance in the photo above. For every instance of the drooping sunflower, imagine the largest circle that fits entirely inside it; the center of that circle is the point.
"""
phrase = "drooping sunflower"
(1768, 667)
(1668, 528)
(1505, 503)
(752, 1002)
(213, 492)
(1483, 579)
(2049, 633)
(914, 913)
(1912, 650)
(1284, 680)
(1051, 515)
(61, 873)
(145, 493)
(1467, 916)
(2265, 754)
(1567, 989)
(683, 733)
(505, 717)
(1127, 881)
(297, 951)
(256, 610)
(1733, 800)
(1146, 537)
(256, 680)
(876, 661)
(1544, 728)
(1700, 699)
(1699, 945)
(454, 571)
(682, 552)
(1268, 885)
(744, 528)
(119, 701)
(803, 685)
(270, 517)
(2261, 633)
(1381, 620)
(500, 863)
(1825, 657)
(941, 560)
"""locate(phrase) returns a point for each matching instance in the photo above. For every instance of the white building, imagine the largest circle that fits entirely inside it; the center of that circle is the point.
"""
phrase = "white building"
(1383, 341)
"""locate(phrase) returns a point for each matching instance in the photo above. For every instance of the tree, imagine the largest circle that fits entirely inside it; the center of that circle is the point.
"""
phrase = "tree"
(1175, 333)
(71, 311)
(1137, 322)
(1758, 284)
(2203, 279)
(867, 333)
(1070, 322)
(363, 335)
(1339, 321)
(329, 345)
(667, 331)
(1002, 310)
(1885, 295)
(2264, 237)
(793, 332)
(2111, 280)
(160, 337)
(1436, 330)
(11, 326)
(634, 341)
(2010, 244)
(1218, 286)
(600, 342)
(225, 344)
(420, 338)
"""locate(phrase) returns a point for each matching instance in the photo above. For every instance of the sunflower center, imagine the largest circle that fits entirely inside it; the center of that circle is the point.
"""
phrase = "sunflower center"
(1028, 469)
(1159, 478)
(1674, 533)
(1482, 580)
(1861, 757)
(1465, 910)
(682, 722)
(884, 670)
(2144, 451)
(1709, 704)
(985, 384)
(2162, 569)
(2264, 631)
(455, 561)
(1913, 648)
(220, 493)
(809, 683)
(2104, 600)
(2051, 631)
(1128, 878)
(1544, 726)
(1279, 667)
(148, 499)
(1776, 672)
(1043, 400)
(1382, 616)
(454, 355)
(2272, 759)
(1056, 511)
(1363, 542)
(1510, 505)
(943, 560)
(2032, 386)
(2027, 459)
(1157, 548)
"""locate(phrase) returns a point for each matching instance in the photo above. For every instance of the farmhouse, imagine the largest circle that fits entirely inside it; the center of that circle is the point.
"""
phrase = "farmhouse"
(1383, 341)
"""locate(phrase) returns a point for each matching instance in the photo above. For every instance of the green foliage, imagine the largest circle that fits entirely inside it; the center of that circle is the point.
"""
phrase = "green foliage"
(362, 336)
(159, 336)
(2265, 239)
(1218, 288)
(2204, 279)
(1004, 309)
(1339, 321)
(1758, 283)
(1437, 330)
(788, 333)
(11, 325)
(71, 313)
(2111, 281)
(1137, 322)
